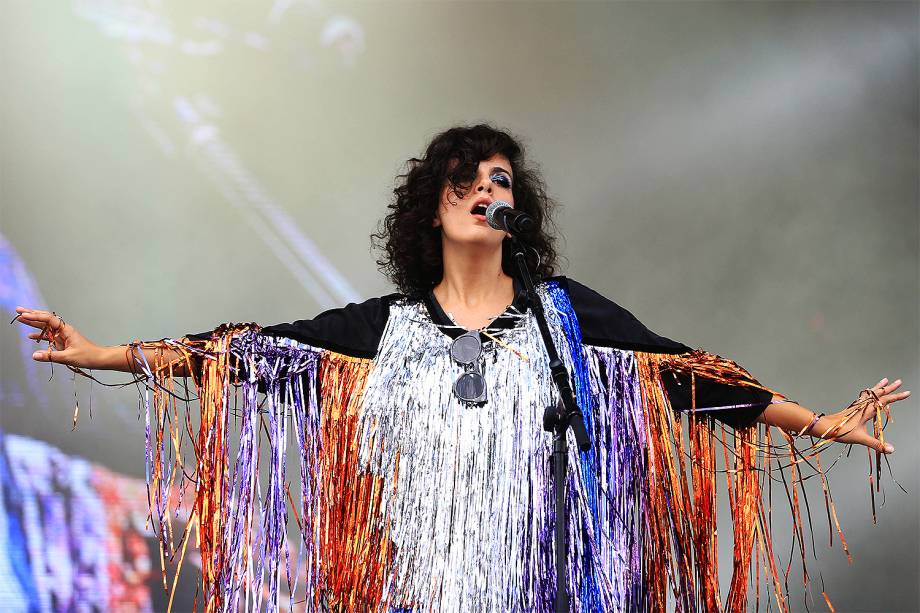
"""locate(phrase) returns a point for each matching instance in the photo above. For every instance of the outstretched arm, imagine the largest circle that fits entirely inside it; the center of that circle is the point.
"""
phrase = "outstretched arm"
(843, 426)
(73, 349)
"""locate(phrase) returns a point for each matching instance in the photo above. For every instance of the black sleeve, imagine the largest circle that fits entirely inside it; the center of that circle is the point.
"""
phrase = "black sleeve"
(353, 330)
(736, 406)
(606, 324)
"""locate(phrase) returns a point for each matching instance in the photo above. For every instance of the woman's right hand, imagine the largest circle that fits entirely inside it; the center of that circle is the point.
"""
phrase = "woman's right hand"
(69, 346)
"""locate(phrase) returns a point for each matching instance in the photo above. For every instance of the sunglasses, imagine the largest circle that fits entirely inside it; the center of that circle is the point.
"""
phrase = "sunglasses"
(471, 385)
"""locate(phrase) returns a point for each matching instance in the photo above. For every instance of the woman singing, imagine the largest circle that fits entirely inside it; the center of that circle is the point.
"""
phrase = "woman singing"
(424, 477)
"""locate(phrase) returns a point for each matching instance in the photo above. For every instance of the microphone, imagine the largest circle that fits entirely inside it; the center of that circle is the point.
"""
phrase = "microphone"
(502, 216)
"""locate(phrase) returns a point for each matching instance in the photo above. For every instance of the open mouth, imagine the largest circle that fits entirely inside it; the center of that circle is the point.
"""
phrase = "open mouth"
(479, 209)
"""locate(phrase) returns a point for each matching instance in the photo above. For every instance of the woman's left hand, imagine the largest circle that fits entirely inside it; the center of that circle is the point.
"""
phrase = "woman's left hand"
(853, 430)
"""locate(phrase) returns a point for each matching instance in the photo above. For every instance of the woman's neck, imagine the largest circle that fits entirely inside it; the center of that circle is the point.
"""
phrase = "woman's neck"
(474, 288)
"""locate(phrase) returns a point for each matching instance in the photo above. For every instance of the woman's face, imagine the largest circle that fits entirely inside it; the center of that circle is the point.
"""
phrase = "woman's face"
(461, 219)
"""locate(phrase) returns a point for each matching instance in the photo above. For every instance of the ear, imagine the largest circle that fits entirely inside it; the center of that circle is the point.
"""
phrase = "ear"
(436, 222)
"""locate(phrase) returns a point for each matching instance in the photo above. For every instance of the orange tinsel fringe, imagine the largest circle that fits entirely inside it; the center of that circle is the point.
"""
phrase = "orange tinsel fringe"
(354, 540)
(682, 507)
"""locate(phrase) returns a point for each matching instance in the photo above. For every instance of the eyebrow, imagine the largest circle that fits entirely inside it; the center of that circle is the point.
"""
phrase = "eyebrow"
(500, 169)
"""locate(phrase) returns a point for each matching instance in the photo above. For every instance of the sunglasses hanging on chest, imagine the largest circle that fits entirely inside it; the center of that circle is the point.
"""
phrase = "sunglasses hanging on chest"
(470, 386)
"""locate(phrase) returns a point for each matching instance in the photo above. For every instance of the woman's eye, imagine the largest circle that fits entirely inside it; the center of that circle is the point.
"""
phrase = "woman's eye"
(503, 180)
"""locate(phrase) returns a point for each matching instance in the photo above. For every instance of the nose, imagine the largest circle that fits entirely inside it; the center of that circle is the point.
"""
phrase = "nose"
(485, 185)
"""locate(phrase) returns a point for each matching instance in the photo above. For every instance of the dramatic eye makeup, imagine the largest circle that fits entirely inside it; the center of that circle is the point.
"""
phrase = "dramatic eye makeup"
(500, 177)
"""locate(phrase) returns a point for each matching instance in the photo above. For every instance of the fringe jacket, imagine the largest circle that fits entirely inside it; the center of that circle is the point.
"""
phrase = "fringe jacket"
(405, 498)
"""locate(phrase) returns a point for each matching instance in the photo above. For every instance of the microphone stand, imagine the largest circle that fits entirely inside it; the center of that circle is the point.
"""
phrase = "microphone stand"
(556, 419)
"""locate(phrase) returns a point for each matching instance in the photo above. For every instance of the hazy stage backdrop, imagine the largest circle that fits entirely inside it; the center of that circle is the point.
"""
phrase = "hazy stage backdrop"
(742, 177)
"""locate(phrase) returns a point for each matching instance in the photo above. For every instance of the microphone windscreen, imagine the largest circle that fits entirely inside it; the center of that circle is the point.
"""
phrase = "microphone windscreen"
(494, 217)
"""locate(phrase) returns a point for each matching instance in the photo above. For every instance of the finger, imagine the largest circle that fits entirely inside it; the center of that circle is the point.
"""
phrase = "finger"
(42, 356)
(890, 398)
(27, 311)
(861, 437)
(879, 446)
(35, 323)
(34, 315)
(879, 388)
(42, 319)
(47, 355)
(882, 447)
(22, 309)
(887, 389)
(44, 335)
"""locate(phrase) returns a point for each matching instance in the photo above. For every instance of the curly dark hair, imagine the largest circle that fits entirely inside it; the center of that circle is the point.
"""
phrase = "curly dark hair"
(410, 244)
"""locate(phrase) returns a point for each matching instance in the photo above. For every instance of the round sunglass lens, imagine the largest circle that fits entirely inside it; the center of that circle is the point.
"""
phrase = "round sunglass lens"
(470, 387)
(466, 348)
